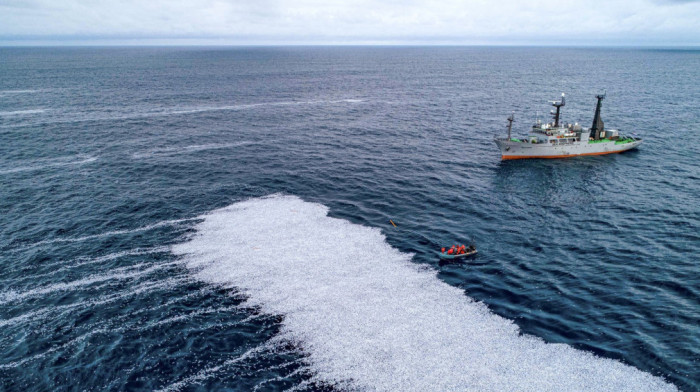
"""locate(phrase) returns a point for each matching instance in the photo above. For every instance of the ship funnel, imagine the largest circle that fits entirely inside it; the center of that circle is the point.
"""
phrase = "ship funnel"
(598, 127)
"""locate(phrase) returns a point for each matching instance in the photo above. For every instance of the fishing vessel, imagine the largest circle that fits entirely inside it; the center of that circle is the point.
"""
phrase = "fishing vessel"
(559, 140)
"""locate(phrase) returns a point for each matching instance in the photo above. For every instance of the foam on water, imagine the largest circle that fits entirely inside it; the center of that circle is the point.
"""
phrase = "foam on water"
(262, 385)
(165, 112)
(22, 112)
(8, 92)
(202, 109)
(59, 348)
(109, 233)
(115, 275)
(70, 161)
(212, 371)
(369, 319)
(190, 315)
(167, 151)
(82, 261)
(60, 311)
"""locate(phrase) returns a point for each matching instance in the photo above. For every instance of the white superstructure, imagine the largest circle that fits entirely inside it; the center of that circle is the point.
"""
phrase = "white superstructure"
(554, 140)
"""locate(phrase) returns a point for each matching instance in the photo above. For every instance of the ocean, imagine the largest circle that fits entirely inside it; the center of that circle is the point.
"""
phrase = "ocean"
(220, 218)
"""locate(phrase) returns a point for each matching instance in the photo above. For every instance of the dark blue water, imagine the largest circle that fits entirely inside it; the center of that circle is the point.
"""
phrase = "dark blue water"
(108, 156)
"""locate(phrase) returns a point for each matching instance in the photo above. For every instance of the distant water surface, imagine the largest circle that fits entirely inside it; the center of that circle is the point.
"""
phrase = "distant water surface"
(218, 218)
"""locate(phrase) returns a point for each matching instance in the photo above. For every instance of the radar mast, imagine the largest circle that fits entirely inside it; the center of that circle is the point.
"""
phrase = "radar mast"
(511, 118)
(558, 105)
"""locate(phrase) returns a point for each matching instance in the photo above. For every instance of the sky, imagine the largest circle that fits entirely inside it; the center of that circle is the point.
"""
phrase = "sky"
(351, 22)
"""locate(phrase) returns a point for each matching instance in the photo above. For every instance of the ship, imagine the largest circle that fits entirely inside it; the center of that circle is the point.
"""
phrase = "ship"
(559, 140)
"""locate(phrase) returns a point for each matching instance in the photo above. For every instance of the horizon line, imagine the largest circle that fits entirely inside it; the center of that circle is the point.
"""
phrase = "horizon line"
(169, 43)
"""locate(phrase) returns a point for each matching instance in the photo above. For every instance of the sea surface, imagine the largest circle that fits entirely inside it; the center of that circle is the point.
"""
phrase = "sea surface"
(186, 218)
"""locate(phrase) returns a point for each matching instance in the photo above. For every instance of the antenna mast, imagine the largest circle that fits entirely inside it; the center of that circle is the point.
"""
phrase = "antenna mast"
(511, 118)
(558, 105)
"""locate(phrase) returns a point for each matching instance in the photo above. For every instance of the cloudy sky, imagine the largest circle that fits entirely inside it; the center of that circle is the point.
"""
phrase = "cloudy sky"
(255, 22)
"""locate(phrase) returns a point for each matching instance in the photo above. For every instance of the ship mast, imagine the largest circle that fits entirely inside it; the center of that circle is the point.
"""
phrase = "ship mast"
(510, 123)
(558, 105)
(597, 126)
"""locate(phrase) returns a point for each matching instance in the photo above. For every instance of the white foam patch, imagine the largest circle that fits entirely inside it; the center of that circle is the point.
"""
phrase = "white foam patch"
(261, 104)
(77, 161)
(26, 112)
(166, 305)
(369, 319)
(202, 109)
(36, 316)
(157, 225)
(262, 385)
(8, 92)
(178, 111)
(53, 349)
(189, 316)
(82, 261)
(61, 347)
(168, 151)
(115, 275)
(212, 371)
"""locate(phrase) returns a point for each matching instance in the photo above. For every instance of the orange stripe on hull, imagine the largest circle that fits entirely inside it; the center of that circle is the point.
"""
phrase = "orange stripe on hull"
(510, 157)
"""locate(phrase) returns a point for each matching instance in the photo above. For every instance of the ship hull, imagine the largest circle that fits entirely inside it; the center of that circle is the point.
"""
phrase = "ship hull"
(523, 150)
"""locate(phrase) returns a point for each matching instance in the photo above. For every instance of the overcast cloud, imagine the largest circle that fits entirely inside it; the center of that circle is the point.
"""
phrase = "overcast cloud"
(603, 22)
